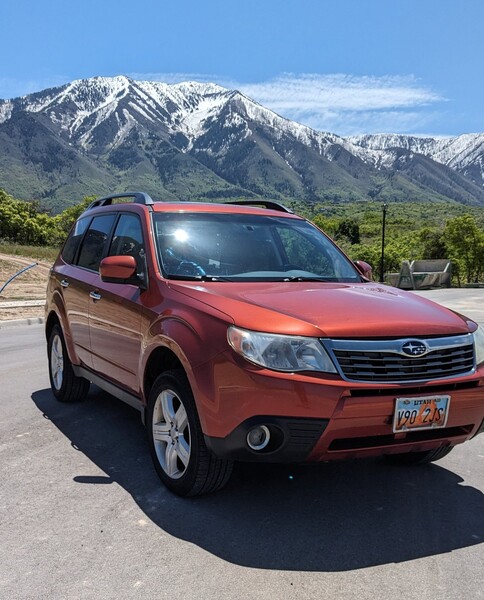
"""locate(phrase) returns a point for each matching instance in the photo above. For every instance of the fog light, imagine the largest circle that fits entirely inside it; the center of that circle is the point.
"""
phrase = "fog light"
(258, 437)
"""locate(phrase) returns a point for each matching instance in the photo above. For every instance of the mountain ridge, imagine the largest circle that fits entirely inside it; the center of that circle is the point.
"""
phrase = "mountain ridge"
(202, 141)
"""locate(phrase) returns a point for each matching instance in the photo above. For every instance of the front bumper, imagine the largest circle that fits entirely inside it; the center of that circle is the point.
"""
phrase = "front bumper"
(316, 418)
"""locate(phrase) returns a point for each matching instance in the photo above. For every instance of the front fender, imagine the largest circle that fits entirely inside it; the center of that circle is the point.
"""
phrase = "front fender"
(194, 345)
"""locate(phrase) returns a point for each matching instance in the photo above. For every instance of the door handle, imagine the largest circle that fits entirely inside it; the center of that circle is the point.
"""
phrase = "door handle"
(95, 296)
(64, 283)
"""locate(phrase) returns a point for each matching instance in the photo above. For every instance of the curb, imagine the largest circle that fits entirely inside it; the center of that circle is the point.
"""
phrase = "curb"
(15, 322)
(22, 303)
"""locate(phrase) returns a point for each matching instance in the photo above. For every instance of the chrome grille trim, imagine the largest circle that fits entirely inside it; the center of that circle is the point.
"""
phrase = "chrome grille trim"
(383, 361)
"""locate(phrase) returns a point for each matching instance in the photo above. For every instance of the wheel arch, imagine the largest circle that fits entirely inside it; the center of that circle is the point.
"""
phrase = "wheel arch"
(56, 315)
(160, 360)
(52, 319)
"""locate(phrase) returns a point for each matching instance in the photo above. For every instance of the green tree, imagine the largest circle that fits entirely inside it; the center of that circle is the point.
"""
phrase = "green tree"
(349, 229)
(24, 222)
(465, 242)
(327, 224)
(433, 243)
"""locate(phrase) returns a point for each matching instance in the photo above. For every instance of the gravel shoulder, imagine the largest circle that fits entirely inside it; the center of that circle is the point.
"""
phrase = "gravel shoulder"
(29, 286)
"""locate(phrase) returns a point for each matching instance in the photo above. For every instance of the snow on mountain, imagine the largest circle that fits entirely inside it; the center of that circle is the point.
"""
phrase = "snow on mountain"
(464, 153)
(80, 107)
(6, 107)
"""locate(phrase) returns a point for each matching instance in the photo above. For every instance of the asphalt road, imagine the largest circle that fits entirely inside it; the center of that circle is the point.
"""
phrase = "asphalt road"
(83, 515)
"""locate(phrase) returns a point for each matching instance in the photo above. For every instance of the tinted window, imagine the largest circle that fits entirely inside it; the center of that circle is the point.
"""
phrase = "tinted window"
(127, 238)
(74, 239)
(94, 246)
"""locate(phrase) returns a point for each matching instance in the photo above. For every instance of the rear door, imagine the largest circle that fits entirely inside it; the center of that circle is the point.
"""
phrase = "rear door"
(80, 278)
(73, 284)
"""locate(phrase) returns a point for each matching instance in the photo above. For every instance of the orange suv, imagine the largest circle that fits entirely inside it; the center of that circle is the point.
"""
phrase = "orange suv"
(242, 333)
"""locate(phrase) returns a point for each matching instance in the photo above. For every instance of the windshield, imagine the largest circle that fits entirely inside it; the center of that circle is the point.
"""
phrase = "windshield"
(229, 247)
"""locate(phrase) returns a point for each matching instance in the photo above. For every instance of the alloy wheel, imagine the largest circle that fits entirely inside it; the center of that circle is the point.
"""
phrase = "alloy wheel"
(171, 434)
(57, 362)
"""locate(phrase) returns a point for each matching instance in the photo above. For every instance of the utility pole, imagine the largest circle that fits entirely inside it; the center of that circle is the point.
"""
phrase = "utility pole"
(382, 261)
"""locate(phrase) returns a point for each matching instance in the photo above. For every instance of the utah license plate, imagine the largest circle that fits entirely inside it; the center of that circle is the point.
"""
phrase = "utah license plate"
(426, 412)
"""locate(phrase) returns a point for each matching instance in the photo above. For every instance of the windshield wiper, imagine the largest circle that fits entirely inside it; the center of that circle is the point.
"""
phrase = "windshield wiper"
(308, 278)
(198, 277)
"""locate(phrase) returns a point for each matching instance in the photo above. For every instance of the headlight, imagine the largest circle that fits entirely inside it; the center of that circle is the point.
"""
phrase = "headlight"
(280, 352)
(479, 344)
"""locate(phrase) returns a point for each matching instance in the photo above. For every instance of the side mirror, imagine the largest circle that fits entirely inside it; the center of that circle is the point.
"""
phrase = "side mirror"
(118, 269)
(364, 268)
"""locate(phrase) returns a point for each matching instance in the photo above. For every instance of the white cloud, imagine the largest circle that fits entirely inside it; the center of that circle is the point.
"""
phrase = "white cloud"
(362, 122)
(341, 92)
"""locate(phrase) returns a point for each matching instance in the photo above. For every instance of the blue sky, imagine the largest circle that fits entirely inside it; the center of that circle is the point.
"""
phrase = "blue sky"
(346, 66)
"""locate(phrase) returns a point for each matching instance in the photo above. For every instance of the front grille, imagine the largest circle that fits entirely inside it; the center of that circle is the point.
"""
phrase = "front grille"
(384, 361)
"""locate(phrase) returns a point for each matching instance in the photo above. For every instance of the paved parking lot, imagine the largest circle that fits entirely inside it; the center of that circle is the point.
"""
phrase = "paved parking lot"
(82, 513)
(469, 302)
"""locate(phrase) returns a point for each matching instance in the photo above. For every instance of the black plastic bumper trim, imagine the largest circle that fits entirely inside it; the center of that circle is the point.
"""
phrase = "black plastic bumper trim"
(292, 440)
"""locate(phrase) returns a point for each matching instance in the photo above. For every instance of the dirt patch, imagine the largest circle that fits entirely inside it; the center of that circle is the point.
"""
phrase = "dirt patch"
(29, 312)
(30, 285)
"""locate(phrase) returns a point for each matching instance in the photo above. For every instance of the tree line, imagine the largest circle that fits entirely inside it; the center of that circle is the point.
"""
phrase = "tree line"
(24, 222)
(414, 231)
(457, 238)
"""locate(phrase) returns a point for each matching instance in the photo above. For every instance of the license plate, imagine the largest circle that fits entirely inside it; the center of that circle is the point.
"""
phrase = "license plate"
(426, 412)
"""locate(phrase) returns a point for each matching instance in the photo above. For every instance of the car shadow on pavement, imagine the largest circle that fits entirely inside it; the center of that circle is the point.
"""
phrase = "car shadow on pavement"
(329, 517)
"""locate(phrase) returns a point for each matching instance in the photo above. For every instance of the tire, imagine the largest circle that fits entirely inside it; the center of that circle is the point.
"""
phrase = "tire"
(66, 386)
(181, 458)
(418, 458)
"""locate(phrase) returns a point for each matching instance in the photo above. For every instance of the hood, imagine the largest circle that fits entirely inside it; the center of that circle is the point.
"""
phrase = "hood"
(362, 310)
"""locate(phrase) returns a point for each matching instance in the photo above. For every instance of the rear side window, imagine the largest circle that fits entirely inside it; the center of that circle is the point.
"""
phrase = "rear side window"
(74, 239)
(94, 245)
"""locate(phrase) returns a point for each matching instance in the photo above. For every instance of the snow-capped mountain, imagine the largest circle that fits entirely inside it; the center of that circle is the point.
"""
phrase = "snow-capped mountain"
(464, 153)
(202, 141)
(79, 109)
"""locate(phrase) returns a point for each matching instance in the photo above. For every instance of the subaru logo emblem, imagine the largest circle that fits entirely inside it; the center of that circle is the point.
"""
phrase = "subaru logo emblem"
(414, 348)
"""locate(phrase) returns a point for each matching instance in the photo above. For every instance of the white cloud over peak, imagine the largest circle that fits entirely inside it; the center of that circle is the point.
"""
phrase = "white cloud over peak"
(341, 92)
(347, 104)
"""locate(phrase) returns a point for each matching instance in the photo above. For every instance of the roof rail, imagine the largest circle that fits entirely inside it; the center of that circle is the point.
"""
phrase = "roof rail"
(265, 203)
(139, 198)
